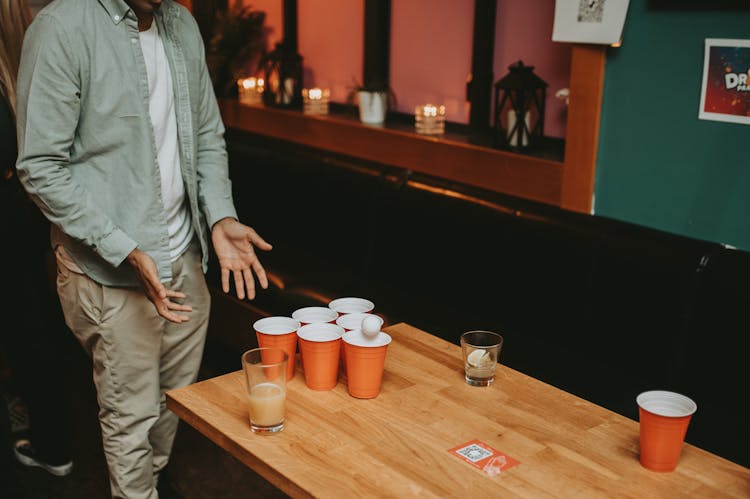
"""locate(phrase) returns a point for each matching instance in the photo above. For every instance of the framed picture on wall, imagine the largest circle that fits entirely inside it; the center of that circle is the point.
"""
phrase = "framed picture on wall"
(725, 91)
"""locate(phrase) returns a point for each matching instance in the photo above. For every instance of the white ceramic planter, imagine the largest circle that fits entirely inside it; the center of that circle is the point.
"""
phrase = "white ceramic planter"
(372, 106)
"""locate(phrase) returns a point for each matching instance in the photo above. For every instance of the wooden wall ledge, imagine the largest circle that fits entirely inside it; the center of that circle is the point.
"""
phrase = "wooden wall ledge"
(568, 184)
(502, 171)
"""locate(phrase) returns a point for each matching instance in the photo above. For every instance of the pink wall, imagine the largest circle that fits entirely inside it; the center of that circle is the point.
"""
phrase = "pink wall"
(431, 54)
(524, 31)
(431, 44)
(331, 42)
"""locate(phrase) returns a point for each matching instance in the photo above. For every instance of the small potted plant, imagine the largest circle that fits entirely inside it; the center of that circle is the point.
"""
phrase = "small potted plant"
(373, 99)
(236, 44)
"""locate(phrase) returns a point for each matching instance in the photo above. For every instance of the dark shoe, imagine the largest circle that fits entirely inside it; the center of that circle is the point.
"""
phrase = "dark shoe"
(26, 455)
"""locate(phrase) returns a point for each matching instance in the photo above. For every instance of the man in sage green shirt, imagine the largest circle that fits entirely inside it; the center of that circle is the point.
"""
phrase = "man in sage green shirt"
(121, 146)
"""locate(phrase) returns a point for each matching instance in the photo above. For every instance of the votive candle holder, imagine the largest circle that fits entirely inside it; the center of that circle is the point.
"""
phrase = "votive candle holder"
(429, 119)
(250, 90)
(315, 100)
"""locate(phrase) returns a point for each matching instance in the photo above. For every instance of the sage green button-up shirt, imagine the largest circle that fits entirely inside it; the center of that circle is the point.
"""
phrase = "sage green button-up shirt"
(87, 154)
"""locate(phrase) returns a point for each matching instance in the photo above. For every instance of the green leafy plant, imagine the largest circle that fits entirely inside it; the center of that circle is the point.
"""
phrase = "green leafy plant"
(236, 44)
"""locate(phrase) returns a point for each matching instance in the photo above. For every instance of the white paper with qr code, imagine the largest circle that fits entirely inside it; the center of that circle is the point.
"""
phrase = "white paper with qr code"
(589, 21)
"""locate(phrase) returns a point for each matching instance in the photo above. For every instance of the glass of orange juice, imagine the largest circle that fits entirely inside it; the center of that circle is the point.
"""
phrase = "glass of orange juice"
(265, 373)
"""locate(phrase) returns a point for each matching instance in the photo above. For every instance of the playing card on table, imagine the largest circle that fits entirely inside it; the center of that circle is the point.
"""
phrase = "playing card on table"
(484, 457)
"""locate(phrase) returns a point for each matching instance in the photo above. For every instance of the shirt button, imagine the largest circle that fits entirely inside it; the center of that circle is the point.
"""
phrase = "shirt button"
(116, 18)
(133, 40)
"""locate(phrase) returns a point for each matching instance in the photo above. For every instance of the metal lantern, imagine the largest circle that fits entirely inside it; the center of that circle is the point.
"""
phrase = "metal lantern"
(282, 68)
(520, 98)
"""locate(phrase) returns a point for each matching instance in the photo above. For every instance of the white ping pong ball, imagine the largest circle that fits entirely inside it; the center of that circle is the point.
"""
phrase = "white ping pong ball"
(370, 326)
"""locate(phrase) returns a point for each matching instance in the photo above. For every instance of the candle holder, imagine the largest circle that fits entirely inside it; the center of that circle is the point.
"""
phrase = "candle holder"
(315, 100)
(250, 90)
(520, 97)
(282, 70)
(429, 119)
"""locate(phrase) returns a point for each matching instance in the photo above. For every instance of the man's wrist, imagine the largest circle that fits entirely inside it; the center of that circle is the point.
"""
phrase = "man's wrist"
(224, 221)
(133, 256)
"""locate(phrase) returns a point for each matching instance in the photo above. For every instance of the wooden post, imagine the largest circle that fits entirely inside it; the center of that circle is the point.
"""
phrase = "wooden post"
(582, 136)
(377, 44)
(290, 25)
(479, 89)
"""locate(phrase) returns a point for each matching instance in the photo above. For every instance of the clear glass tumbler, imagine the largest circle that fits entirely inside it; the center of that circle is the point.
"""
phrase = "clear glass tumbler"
(480, 352)
(265, 373)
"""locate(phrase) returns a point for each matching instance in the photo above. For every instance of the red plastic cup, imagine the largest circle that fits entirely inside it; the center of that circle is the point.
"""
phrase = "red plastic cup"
(279, 332)
(351, 305)
(315, 315)
(350, 322)
(320, 350)
(664, 419)
(365, 363)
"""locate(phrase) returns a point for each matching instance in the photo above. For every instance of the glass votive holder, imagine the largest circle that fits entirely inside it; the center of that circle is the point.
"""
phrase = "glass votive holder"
(315, 100)
(429, 119)
(250, 90)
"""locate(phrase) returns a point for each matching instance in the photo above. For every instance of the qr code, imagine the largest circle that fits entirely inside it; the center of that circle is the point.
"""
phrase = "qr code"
(590, 11)
(474, 453)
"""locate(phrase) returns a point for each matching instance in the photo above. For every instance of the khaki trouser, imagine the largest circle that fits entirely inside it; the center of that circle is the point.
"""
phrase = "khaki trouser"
(137, 356)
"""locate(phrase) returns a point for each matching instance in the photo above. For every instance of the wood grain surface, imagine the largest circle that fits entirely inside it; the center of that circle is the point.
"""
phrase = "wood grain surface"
(397, 444)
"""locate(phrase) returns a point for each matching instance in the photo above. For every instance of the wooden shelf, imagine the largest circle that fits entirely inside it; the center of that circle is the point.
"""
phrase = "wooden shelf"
(503, 171)
(568, 184)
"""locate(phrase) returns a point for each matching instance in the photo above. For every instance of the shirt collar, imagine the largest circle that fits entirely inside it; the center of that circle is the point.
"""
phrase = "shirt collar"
(116, 9)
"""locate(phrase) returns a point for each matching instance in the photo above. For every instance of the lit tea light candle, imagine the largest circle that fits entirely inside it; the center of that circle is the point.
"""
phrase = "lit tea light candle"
(429, 119)
(250, 90)
(429, 111)
(315, 100)
(249, 83)
(315, 94)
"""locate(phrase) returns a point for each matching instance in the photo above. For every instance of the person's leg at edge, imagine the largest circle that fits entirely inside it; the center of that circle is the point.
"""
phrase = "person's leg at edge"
(181, 349)
(121, 331)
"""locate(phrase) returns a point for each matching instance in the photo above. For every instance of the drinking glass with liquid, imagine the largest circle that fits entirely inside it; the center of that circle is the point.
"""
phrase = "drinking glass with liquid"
(265, 373)
(480, 352)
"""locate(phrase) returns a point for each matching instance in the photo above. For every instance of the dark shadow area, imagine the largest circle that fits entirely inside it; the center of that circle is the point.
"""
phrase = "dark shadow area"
(198, 468)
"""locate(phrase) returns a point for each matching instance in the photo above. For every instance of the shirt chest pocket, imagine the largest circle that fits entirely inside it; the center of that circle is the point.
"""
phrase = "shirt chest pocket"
(113, 117)
(117, 94)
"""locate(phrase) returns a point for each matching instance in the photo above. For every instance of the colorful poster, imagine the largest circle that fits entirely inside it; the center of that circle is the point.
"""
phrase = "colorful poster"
(725, 93)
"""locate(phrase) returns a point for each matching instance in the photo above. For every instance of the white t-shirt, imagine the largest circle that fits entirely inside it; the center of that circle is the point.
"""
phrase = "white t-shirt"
(164, 121)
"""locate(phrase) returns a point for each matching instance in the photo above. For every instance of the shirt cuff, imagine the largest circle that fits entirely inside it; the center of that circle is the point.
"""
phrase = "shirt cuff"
(222, 209)
(115, 247)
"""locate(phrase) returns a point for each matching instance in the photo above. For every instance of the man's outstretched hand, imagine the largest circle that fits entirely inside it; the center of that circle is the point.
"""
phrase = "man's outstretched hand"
(160, 296)
(234, 244)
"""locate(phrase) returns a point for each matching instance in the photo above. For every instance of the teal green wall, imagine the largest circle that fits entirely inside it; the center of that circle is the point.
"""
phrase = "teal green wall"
(659, 165)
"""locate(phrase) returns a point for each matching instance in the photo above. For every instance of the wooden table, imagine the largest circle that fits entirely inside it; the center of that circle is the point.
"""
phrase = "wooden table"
(397, 444)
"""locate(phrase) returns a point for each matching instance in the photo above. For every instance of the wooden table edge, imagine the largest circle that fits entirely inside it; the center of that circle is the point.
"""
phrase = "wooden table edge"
(240, 453)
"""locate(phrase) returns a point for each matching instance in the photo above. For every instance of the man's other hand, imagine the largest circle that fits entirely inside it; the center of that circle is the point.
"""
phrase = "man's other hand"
(234, 244)
(160, 296)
